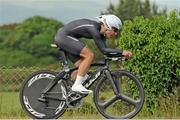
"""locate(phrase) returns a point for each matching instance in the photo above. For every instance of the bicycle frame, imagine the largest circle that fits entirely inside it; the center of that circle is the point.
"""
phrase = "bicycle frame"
(56, 94)
(62, 75)
(103, 69)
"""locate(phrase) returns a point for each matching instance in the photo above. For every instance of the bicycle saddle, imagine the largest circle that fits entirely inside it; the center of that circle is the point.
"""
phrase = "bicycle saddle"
(62, 52)
(55, 46)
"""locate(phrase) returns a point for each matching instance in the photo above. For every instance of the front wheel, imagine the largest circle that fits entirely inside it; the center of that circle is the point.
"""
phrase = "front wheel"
(122, 100)
(54, 104)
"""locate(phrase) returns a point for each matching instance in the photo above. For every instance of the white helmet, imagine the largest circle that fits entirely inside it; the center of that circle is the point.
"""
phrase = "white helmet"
(110, 21)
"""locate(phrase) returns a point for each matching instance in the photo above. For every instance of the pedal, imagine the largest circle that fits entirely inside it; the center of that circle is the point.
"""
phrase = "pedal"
(73, 99)
(76, 104)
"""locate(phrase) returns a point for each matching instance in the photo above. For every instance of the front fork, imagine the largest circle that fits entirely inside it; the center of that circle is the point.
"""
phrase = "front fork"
(114, 82)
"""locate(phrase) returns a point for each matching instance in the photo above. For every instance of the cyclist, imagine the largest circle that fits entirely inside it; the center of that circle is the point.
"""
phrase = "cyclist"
(67, 39)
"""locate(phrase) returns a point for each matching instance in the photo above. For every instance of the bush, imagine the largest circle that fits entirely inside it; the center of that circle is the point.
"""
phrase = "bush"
(28, 43)
(155, 43)
(20, 58)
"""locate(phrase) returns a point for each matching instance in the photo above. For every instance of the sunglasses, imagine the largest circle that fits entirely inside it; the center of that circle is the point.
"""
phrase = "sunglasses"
(114, 29)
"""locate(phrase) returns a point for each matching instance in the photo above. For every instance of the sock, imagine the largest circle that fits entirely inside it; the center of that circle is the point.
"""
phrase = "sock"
(78, 87)
(79, 80)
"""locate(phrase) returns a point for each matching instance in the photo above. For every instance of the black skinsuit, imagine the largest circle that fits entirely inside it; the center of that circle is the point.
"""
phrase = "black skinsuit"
(67, 38)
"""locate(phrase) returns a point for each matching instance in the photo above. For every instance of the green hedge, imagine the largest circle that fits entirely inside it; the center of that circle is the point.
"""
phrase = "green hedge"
(155, 43)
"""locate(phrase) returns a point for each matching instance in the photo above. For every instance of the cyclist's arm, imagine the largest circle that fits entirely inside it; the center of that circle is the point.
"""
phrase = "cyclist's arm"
(101, 44)
(111, 50)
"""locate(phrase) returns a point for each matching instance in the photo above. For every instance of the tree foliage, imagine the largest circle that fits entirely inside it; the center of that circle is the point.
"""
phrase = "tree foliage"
(29, 41)
(128, 9)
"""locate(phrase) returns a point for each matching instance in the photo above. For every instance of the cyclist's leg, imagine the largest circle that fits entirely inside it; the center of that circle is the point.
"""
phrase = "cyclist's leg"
(79, 62)
(75, 47)
(76, 61)
(71, 47)
(74, 74)
(88, 57)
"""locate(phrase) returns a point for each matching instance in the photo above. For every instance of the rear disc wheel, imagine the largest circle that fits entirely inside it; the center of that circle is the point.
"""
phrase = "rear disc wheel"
(53, 104)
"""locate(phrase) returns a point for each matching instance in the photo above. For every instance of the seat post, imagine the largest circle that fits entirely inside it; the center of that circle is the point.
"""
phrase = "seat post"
(64, 57)
(65, 61)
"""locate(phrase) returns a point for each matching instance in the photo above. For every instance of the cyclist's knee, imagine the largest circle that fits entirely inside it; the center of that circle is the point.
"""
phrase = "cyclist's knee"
(87, 53)
(91, 55)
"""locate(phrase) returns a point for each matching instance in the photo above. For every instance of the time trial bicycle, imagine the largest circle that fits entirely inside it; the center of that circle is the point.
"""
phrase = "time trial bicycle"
(118, 94)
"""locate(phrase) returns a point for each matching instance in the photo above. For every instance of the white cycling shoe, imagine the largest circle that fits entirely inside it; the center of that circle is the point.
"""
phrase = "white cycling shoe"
(80, 89)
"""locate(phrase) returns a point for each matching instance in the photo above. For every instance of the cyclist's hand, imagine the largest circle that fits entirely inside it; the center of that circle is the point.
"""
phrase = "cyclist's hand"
(127, 54)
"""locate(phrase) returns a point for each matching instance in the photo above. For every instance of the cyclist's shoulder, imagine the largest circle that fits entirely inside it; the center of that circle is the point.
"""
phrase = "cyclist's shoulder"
(84, 21)
(82, 24)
